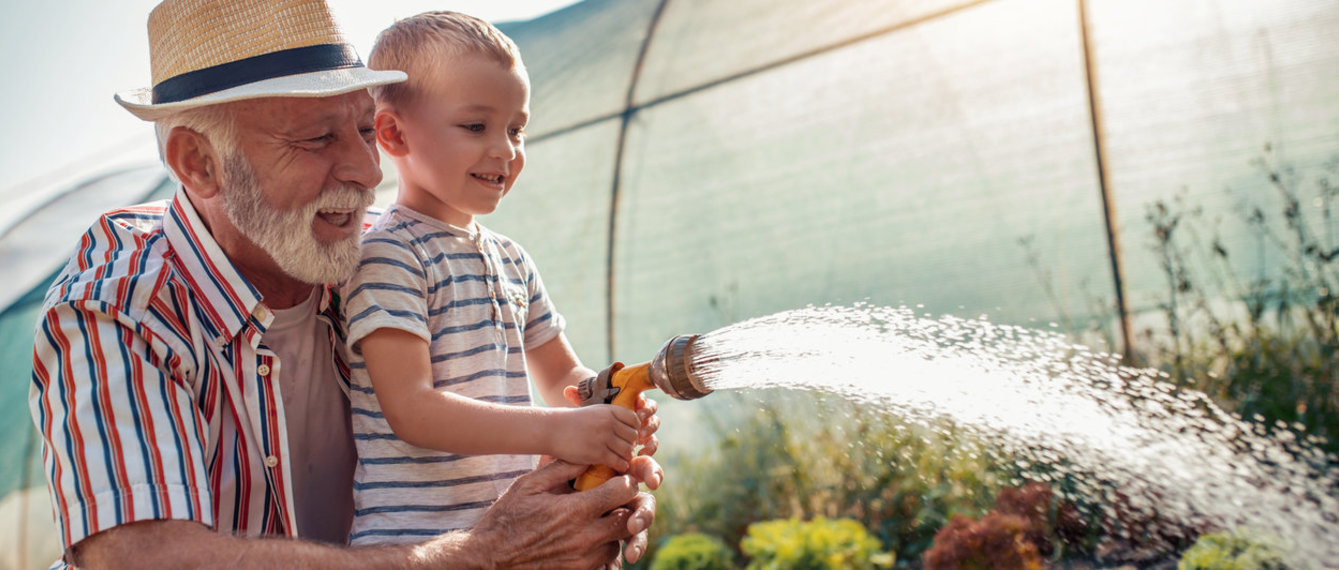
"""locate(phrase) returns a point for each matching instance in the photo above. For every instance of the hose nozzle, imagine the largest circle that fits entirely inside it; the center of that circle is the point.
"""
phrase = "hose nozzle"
(672, 369)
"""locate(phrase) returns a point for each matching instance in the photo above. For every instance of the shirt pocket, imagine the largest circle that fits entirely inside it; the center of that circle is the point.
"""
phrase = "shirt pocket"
(516, 300)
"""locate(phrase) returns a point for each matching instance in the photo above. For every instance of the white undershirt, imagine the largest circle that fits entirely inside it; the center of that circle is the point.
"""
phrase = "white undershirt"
(316, 409)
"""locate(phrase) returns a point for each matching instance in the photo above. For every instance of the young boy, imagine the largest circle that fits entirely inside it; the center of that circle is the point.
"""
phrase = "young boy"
(445, 317)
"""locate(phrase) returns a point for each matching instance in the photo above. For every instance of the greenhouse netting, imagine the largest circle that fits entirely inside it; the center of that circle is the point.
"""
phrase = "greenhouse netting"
(694, 163)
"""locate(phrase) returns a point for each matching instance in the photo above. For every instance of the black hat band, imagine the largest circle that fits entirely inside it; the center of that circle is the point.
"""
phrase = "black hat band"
(323, 57)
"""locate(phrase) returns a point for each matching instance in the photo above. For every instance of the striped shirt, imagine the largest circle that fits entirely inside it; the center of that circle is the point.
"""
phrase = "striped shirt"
(152, 391)
(478, 301)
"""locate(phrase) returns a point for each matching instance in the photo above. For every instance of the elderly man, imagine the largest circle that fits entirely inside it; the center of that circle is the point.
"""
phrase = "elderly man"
(187, 378)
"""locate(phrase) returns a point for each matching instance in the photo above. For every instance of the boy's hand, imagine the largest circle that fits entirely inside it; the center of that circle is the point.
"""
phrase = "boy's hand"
(602, 434)
(646, 413)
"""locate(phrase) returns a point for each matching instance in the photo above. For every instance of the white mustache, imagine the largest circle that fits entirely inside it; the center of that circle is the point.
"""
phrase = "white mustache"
(344, 197)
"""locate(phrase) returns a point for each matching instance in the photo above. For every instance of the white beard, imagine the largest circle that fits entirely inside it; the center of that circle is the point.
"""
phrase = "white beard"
(287, 234)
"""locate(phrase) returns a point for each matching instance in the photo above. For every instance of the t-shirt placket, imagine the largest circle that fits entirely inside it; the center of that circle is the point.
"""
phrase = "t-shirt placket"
(492, 280)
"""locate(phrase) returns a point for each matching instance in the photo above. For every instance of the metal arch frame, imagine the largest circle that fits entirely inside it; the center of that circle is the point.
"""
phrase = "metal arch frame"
(631, 108)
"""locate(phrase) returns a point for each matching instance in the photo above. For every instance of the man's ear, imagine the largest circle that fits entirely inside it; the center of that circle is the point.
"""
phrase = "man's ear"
(390, 135)
(190, 155)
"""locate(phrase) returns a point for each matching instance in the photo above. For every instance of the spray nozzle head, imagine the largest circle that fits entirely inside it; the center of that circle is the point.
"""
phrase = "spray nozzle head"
(673, 371)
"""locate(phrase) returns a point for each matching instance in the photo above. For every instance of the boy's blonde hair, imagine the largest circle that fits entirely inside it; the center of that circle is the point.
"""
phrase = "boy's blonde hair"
(421, 45)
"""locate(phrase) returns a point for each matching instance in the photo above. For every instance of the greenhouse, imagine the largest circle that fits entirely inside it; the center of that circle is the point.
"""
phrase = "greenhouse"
(696, 163)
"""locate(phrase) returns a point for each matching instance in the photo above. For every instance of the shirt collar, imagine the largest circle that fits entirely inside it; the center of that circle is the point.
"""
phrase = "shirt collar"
(327, 294)
(471, 233)
(228, 298)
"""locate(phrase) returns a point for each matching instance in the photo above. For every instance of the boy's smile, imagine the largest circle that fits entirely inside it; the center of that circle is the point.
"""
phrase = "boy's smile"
(464, 139)
(496, 181)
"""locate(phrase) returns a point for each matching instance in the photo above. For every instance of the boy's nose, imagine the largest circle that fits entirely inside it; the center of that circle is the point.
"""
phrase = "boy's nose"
(503, 148)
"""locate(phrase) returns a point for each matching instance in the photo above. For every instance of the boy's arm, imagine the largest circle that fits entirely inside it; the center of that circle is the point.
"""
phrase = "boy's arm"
(554, 366)
(401, 370)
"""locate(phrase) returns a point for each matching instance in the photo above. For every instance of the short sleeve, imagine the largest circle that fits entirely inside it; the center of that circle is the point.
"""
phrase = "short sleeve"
(389, 290)
(123, 436)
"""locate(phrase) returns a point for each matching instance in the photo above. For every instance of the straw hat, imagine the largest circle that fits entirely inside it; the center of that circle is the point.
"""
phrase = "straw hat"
(205, 52)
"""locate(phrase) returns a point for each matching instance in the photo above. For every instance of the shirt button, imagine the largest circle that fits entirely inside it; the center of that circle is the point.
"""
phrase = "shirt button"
(222, 341)
(271, 461)
(263, 370)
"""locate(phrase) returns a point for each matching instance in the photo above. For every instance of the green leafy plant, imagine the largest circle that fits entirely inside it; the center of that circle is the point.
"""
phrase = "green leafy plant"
(1235, 551)
(819, 544)
(811, 455)
(693, 551)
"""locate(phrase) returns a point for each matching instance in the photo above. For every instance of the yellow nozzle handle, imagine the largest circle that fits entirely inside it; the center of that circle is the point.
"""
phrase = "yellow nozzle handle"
(630, 381)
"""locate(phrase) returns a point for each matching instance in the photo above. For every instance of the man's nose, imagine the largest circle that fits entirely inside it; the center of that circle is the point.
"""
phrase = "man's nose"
(357, 161)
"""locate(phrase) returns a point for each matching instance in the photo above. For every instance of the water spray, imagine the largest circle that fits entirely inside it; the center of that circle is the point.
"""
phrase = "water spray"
(673, 370)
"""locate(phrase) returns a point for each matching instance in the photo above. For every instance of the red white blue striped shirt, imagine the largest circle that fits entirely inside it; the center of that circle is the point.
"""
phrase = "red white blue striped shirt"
(151, 389)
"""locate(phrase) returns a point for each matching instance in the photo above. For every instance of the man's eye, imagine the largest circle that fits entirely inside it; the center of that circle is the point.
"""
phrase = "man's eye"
(318, 140)
(368, 133)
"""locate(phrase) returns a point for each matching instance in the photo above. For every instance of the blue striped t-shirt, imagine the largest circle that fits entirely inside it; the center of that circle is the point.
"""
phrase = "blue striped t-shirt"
(477, 299)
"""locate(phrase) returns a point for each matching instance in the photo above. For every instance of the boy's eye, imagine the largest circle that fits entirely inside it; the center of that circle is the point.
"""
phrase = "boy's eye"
(516, 132)
(474, 127)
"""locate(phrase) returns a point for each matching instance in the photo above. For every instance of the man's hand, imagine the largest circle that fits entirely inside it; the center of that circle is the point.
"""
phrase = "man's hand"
(643, 507)
(541, 522)
(650, 423)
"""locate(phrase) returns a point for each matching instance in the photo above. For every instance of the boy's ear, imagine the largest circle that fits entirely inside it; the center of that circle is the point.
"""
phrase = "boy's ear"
(190, 155)
(390, 135)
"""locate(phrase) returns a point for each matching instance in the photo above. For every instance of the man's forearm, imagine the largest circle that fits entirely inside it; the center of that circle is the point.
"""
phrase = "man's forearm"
(182, 544)
(538, 523)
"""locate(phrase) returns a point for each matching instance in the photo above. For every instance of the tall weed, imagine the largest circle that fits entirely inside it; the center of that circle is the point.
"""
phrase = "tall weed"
(1256, 325)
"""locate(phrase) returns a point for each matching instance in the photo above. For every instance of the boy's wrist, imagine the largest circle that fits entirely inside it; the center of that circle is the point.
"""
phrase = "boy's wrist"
(550, 426)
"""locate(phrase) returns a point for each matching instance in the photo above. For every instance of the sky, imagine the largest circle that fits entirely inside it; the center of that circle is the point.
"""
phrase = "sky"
(64, 59)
